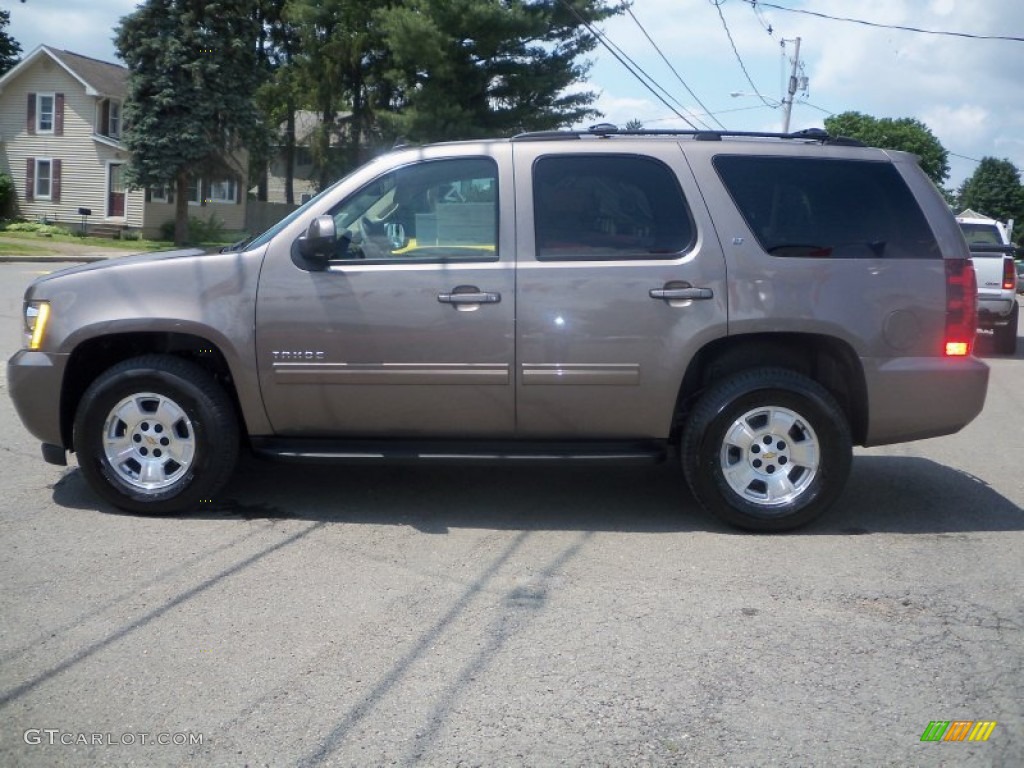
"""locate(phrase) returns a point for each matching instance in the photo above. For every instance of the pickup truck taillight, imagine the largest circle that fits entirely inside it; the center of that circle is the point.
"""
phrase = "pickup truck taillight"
(961, 307)
(1009, 274)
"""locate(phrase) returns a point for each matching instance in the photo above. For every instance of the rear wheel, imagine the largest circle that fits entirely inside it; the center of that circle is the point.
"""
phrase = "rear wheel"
(156, 434)
(1006, 335)
(767, 449)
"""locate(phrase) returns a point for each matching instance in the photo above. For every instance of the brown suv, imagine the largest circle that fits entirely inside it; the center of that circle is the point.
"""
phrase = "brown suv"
(759, 303)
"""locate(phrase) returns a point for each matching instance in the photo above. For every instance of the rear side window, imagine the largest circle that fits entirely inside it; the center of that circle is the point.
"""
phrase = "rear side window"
(593, 207)
(826, 208)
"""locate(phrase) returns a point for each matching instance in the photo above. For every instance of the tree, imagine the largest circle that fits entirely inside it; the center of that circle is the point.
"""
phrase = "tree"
(278, 97)
(904, 133)
(478, 68)
(995, 190)
(431, 70)
(10, 49)
(190, 107)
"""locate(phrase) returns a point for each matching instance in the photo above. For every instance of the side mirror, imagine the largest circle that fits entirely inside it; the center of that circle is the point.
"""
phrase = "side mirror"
(318, 242)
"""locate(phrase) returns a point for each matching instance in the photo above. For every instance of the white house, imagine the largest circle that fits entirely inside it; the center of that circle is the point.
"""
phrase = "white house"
(60, 141)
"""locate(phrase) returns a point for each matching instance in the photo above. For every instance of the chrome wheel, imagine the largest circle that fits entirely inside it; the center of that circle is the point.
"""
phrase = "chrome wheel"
(769, 456)
(148, 441)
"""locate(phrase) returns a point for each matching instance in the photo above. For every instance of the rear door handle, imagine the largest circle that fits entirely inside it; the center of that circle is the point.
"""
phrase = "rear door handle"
(678, 294)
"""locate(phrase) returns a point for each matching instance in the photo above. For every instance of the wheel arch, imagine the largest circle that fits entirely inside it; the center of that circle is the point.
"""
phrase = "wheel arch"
(95, 355)
(829, 361)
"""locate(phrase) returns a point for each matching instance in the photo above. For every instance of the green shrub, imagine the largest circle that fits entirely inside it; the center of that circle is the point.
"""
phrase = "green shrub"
(7, 195)
(208, 230)
(40, 229)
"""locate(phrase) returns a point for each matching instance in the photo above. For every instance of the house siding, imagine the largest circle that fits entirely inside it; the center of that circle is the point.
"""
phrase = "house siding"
(83, 160)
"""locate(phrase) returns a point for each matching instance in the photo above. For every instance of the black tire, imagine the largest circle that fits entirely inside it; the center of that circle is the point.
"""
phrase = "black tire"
(1006, 335)
(158, 409)
(803, 446)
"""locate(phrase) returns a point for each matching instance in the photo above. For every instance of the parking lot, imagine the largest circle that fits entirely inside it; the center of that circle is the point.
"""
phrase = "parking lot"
(513, 616)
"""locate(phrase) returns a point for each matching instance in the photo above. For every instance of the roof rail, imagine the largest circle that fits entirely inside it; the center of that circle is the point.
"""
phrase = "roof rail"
(606, 130)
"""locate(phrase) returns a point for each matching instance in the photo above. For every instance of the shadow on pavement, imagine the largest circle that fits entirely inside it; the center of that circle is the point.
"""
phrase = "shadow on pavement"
(885, 494)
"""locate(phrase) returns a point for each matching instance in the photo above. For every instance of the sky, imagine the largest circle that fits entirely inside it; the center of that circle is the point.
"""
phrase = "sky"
(969, 92)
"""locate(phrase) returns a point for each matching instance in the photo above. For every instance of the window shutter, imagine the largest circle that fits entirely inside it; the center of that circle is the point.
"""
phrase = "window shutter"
(204, 191)
(238, 192)
(104, 127)
(149, 194)
(55, 181)
(31, 121)
(30, 178)
(58, 114)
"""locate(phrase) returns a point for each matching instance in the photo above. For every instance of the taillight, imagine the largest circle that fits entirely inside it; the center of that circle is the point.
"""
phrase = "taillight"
(961, 307)
(1009, 275)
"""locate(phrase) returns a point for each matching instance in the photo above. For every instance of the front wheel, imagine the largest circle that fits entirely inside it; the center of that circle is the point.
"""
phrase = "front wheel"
(156, 434)
(767, 449)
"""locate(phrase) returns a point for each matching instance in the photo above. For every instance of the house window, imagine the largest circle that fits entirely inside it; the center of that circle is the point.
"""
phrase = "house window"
(159, 194)
(44, 112)
(44, 179)
(223, 191)
(195, 191)
(114, 123)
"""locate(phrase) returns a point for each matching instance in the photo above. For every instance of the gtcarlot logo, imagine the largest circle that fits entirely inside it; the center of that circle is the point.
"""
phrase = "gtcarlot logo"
(55, 737)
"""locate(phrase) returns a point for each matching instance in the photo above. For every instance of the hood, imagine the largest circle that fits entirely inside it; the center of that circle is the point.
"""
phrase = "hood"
(121, 261)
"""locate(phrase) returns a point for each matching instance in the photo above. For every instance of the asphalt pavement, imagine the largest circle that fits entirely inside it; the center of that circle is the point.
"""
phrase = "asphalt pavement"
(514, 617)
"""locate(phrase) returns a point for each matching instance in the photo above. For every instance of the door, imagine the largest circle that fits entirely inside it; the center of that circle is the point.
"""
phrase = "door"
(410, 330)
(115, 191)
(621, 279)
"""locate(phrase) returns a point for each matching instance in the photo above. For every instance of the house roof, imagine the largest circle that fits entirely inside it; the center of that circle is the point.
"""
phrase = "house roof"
(99, 78)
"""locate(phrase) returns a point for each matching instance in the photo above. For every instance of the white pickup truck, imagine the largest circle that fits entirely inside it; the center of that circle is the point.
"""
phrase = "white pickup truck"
(993, 254)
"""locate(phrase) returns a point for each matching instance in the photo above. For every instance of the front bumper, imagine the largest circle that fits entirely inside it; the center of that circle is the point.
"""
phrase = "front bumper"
(911, 398)
(34, 381)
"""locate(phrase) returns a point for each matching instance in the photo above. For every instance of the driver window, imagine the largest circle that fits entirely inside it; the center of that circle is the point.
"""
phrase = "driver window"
(439, 210)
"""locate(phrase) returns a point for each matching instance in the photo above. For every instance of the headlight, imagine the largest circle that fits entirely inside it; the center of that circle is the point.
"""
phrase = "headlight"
(37, 314)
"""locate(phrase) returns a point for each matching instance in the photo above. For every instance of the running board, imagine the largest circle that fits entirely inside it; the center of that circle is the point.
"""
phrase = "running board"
(458, 451)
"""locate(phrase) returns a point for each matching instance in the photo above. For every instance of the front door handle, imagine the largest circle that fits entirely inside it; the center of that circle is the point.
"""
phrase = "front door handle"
(467, 298)
(687, 294)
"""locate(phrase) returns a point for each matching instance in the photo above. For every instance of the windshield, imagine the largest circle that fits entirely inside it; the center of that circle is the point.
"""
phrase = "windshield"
(266, 237)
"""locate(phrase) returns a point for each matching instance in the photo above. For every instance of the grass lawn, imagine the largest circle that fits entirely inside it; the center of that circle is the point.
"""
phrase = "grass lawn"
(99, 242)
(8, 248)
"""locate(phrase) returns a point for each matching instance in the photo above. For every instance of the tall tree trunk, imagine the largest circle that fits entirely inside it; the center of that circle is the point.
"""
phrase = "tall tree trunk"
(181, 207)
(289, 155)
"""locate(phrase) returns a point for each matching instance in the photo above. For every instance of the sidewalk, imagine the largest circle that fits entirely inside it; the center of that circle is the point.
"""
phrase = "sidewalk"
(54, 251)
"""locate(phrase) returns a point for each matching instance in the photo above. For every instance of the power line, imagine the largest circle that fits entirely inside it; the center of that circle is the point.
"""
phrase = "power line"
(674, 72)
(758, 3)
(615, 51)
(725, 25)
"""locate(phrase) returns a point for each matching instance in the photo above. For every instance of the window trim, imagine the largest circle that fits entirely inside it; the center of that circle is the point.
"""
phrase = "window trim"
(624, 256)
(195, 184)
(52, 96)
(49, 179)
(232, 186)
(114, 120)
(400, 262)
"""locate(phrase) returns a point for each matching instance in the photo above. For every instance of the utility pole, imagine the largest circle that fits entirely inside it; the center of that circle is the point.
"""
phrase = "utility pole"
(788, 101)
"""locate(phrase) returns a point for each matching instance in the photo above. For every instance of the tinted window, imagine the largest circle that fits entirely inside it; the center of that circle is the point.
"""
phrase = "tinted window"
(823, 208)
(608, 207)
(440, 210)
